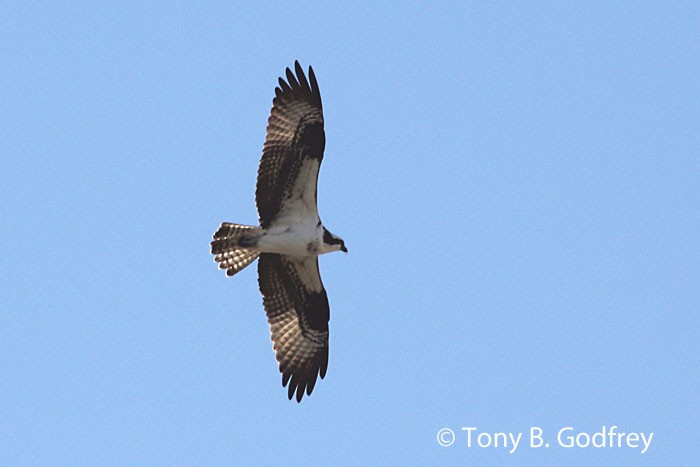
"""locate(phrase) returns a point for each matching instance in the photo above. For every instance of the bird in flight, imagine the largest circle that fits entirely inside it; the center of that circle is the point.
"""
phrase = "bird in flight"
(290, 236)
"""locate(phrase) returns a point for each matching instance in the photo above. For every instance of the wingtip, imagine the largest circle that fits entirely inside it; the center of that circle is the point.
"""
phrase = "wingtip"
(298, 68)
(291, 79)
(290, 390)
(314, 85)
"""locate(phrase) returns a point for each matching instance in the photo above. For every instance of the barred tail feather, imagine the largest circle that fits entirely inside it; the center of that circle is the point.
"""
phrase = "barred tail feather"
(234, 246)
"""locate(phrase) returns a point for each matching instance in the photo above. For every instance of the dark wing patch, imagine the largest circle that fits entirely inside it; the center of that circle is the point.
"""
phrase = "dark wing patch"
(298, 318)
(294, 133)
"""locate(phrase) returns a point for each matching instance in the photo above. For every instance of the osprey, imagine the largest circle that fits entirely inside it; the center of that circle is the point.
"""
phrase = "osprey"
(290, 236)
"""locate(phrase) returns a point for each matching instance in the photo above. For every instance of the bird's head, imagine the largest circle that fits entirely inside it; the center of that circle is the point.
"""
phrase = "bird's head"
(333, 242)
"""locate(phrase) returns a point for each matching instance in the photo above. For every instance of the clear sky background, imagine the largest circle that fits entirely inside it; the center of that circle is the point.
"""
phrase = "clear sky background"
(518, 186)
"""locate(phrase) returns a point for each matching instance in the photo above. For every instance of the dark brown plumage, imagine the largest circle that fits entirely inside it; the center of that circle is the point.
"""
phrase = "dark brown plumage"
(294, 298)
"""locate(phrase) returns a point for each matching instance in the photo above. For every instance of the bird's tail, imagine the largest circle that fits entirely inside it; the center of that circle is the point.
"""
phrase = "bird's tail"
(234, 246)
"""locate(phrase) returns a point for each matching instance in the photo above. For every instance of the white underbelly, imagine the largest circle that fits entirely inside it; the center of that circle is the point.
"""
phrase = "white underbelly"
(289, 242)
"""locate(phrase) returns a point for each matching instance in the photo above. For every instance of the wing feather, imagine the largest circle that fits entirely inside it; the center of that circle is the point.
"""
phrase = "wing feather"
(298, 315)
(294, 143)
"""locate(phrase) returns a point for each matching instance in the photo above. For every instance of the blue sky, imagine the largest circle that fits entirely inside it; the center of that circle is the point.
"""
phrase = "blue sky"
(517, 186)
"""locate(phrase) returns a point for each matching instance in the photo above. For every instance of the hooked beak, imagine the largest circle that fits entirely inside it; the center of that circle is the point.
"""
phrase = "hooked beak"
(343, 249)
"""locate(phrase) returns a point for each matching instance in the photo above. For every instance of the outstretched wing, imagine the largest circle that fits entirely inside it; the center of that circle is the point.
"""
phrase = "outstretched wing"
(293, 150)
(297, 311)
